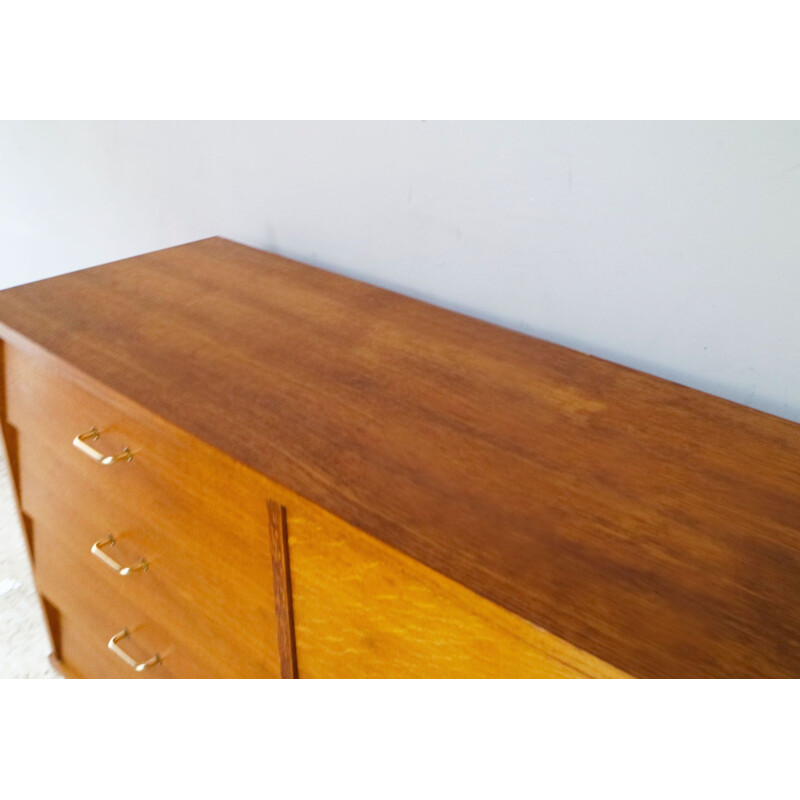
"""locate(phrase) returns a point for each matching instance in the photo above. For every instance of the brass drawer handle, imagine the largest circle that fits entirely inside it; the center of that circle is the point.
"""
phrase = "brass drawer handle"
(80, 441)
(110, 541)
(117, 650)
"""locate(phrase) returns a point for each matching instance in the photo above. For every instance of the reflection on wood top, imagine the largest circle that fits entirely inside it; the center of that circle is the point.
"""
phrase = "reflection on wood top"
(650, 524)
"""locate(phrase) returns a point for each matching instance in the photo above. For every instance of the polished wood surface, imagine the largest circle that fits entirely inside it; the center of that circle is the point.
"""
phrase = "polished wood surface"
(282, 582)
(91, 612)
(364, 610)
(647, 523)
(198, 519)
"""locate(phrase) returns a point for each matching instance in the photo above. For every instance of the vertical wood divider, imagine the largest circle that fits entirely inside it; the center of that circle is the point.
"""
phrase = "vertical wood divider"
(282, 584)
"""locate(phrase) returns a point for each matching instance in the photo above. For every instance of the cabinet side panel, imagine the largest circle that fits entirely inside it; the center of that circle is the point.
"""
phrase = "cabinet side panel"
(9, 450)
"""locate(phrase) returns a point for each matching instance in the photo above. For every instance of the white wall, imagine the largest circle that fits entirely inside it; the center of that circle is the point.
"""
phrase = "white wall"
(671, 247)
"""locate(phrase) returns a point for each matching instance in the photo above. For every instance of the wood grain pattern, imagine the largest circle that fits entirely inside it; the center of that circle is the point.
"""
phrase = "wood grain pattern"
(647, 523)
(90, 612)
(197, 518)
(365, 610)
(281, 581)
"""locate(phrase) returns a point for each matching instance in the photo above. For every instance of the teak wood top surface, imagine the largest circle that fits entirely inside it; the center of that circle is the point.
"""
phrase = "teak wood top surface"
(650, 524)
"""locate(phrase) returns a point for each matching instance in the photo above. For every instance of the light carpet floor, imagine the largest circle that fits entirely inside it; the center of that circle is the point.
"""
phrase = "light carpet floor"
(24, 643)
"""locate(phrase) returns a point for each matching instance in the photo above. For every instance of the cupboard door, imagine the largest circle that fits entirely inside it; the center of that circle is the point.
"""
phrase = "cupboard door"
(363, 609)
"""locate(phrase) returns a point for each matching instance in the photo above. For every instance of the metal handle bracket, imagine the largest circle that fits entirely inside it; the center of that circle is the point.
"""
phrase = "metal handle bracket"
(81, 441)
(131, 662)
(110, 541)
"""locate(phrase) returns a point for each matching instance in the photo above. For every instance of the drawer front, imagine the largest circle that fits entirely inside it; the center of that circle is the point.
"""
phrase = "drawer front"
(82, 654)
(197, 518)
(363, 609)
(221, 628)
(89, 612)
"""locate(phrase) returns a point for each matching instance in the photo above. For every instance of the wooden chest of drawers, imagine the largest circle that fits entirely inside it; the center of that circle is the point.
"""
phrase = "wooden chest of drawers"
(229, 464)
(186, 521)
